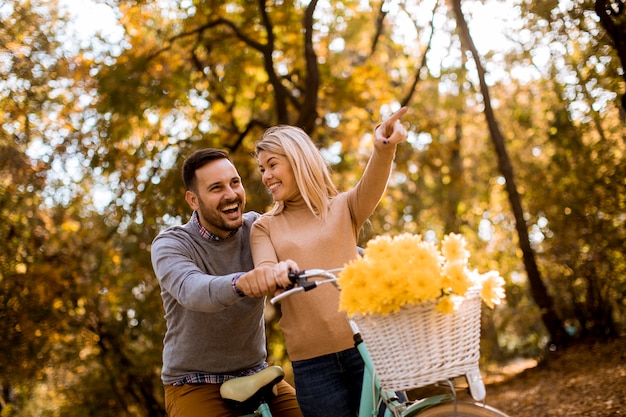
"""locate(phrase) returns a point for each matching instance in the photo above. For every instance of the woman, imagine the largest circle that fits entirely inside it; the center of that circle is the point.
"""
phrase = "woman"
(314, 224)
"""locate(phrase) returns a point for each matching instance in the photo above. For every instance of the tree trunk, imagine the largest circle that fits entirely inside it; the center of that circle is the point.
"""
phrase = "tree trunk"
(612, 14)
(539, 291)
(308, 109)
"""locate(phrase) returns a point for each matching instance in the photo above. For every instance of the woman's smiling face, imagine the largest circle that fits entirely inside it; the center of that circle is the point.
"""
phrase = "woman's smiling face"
(278, 176)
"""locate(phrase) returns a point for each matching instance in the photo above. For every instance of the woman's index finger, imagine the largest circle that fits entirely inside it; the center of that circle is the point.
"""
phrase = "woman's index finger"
(397, 115)
(387, 125)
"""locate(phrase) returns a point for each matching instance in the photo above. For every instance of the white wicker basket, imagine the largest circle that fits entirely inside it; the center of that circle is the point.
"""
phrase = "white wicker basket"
(418, 346)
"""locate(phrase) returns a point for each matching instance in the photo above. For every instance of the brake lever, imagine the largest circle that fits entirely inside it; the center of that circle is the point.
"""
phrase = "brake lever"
(300, 279)
(285, 294)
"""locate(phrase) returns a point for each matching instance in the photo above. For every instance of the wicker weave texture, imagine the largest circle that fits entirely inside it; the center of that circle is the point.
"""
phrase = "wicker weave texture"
(418, 346)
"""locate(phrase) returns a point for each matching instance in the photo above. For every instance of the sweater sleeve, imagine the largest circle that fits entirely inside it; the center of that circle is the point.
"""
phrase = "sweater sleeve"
(180, 275)
(263, 252)
(365, 196)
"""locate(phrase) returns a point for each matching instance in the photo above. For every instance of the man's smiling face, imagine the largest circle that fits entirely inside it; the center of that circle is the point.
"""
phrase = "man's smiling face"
(219, 197)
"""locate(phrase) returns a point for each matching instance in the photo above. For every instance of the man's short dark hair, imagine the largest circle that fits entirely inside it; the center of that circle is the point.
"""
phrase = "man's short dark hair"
(197, 160)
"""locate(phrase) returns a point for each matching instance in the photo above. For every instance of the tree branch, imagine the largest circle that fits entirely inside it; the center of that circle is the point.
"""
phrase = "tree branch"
(308, 111)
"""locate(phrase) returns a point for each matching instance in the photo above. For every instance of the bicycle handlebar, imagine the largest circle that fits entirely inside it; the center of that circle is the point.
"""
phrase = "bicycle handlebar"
(300, 282)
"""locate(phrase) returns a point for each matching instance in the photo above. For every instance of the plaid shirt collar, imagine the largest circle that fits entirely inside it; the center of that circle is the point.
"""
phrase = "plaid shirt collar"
(204, 232)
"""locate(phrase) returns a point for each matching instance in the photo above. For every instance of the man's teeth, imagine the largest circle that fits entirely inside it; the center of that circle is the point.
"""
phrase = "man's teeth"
(233, 206)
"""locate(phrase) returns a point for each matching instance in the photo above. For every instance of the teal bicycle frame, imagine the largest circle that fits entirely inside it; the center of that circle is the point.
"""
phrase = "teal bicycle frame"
(373, 396)
(254, 391)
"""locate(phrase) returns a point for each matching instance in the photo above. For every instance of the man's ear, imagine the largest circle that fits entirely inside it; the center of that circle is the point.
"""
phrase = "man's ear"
(192, 199)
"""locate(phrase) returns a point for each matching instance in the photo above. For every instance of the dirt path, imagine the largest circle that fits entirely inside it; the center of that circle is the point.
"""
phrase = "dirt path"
(585, 380)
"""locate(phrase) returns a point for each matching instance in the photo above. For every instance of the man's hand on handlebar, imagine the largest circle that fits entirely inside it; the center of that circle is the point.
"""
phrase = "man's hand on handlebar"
(265, 280)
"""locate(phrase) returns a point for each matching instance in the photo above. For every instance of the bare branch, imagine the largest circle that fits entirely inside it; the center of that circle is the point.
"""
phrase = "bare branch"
(380, 19)
(407, 99)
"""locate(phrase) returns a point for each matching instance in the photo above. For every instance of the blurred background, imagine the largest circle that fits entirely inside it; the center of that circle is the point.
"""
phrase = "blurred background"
(517, 141)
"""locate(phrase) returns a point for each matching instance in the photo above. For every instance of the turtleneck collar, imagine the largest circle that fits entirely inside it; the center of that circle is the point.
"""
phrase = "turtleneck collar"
(297, 204)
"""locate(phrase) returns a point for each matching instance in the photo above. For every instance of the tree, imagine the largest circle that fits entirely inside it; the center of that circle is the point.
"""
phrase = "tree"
(582, 144)
(612, 16)
(92, 141)
(30, 320)
(57, 251)
(540, 294)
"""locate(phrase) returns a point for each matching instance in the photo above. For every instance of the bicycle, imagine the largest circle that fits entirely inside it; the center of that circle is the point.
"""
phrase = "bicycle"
(396, 402)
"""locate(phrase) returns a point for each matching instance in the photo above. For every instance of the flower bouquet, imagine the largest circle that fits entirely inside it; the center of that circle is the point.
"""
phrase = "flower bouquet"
(418, 307)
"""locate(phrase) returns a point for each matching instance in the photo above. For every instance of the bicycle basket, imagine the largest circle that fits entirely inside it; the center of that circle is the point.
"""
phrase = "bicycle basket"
(419, 346)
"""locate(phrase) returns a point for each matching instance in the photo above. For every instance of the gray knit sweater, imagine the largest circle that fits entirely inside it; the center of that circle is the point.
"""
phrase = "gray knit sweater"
(210, 329)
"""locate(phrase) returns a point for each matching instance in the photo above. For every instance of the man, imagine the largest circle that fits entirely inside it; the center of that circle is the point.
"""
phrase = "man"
(212, 295)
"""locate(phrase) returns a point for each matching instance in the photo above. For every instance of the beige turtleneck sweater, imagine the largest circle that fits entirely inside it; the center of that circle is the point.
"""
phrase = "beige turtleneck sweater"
(311, 321)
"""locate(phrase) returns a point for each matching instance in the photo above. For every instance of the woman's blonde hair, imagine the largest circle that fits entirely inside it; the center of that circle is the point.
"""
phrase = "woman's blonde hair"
(311, 171)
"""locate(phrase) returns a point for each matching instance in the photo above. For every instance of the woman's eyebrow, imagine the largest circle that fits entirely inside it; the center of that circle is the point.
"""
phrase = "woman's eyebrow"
(269, 159)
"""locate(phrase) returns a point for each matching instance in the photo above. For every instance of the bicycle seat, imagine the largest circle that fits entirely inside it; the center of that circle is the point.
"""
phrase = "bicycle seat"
(242, 391)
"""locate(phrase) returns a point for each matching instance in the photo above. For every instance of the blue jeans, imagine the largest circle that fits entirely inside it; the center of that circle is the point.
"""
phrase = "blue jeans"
(329, 385)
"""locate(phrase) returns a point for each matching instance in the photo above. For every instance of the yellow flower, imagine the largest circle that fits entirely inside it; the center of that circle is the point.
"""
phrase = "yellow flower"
(445, 305)
(457, 277)
(405, 270)
(453, 247)
(492, 292)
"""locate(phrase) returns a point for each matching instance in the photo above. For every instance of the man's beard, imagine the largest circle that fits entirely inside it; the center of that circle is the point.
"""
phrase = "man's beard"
(215, 219)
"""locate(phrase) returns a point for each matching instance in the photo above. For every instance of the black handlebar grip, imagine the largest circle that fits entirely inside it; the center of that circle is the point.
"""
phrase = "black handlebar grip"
(294, 276)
